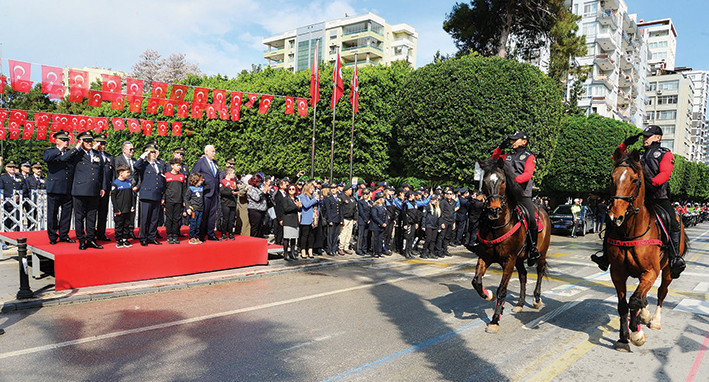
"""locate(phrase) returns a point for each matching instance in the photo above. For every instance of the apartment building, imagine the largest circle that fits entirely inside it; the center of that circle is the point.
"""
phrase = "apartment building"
(618, 54)
(369, 36)
(670, 106)
(662, 42)
(700, 80)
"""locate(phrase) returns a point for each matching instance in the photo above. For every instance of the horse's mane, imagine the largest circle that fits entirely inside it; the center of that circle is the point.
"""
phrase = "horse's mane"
(512, 188)
(627, 158)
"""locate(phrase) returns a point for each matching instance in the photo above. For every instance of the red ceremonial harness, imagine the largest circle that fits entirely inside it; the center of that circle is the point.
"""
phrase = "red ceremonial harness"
(501, 238)
(632, 243)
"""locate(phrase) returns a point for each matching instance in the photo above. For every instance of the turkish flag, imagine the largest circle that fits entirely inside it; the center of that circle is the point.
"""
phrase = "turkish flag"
(169, 109)
(60, 122)
(224, 113)
(75, 121)
(159, 90)
(302, 107)
(118, 124)
(136, 103)
(315, 78)
(178, 92)
(236, 98)
(290, 105)
(18, 115)
(14, 128)
(177, 129)
(147, 126)
(3, 115)
(152, 107)
(211, 112)
(79, 83)
(183, 110)
(101, 123)
(75, 95)
(3, 82)
(111, 86)
(252, 99)
(20, 76)
(2, 132)
(95, 98)
(162, 128)
(52, 80)
(219, 98)
(28, 130)
(196, 110)
(354, 91)
(118, 103)
(265, 104)
(92, 124)
(41, 132)
(200, 95)
(134, 88)
(339, 86)
(133, 125)
(42, 119)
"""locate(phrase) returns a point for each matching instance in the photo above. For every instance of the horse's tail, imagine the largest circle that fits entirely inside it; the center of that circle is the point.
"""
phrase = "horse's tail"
(686, 242)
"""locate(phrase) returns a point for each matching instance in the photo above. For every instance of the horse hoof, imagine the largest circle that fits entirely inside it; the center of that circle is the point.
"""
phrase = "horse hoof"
(655, 325)
(538, 304)
(490, 295)
(645, 316)
(622, 347)
(492, 328)
(517, 309)
(637, 338)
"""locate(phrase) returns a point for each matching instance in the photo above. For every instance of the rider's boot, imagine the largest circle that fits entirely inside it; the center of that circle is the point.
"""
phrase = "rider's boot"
(677, 264)
(533, 253)
(602, 260)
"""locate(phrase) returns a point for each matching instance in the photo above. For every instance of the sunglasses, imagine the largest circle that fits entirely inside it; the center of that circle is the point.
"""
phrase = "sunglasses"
(291, 189)
(64, 139)
(131, 149)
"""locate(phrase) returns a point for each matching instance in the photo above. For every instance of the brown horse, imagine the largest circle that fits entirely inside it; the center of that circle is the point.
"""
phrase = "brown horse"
(502, 240)
(634, 249)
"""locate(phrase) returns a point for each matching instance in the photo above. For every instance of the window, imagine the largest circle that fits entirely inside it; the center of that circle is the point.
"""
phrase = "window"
(333, 35)
(291, 44)
(668, 85)
(666, 100)
(590, 9)
(650, 100)
(591, 49)
(576, 9)
(659, 34)
(653, 86)
(662, 44)
(668, 130)
(650, 115)
(589, 29)
(669, 143)
(659, 55)
(666, 114)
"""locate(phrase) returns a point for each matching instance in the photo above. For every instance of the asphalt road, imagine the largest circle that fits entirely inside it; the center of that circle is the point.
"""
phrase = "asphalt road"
(396, 320)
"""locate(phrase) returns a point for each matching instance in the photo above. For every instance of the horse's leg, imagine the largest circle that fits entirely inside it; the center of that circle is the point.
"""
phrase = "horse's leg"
(522, 272)
(645, 312)
(507, 268)
(541, 272)
(477, 282)
(619, 278)
(647, 278)
(655, 322)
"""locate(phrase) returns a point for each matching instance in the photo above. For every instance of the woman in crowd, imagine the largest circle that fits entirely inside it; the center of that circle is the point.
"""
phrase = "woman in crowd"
(291, 222)
(432, 226)
(307, 234)
(228, 192)
(257, 195)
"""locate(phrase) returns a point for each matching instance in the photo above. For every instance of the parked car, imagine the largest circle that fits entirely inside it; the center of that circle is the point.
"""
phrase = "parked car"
(562, 221)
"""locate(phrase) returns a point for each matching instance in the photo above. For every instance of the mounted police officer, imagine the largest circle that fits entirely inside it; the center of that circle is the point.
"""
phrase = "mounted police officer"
(87, 189)
(522, 162)
(658, 163)
(60, 176)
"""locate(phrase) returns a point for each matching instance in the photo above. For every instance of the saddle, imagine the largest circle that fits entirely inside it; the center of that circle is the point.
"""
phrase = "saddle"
(662, 220)
(524, 214)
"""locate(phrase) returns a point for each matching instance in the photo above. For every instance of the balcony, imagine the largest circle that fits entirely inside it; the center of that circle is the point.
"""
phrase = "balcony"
(605, 62)
(603, 79)
(362, 51)
(364, 34)
(608, 17)
(626, 62)
(624, 79)
(610, 4)
(628, 42)
(628, 24)
(602, 100)
(403, 42)
(275, 55)
(607, 41)
(623, 99)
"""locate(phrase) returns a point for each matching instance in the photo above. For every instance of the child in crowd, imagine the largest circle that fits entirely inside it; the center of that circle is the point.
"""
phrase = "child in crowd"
(228, 193)
(123, 199)
(175, 189)
(194, 201)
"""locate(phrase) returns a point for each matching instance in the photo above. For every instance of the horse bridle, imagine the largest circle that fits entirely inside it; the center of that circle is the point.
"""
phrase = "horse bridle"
(630, 199)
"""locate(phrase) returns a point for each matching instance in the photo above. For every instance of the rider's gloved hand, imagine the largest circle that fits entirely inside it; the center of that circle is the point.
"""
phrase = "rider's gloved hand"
(505, 144)
(631, 139)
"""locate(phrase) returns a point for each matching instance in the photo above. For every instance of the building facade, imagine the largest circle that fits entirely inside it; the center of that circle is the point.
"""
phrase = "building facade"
(670, 105)
(662, 41)
(95, 74)
(369, 36)
(700, 80)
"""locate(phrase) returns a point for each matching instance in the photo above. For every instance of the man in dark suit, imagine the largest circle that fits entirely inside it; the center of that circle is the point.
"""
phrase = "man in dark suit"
(108, 172)
(332, 212)
(60, 176)
(278, 201)
(12, 186)
(36, 180)
(126, 158)
(207, 166)
(88, 188)
(150, 192)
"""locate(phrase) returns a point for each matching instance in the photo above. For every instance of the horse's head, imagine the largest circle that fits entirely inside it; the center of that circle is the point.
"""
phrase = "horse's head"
(627, 186)
(494, 187)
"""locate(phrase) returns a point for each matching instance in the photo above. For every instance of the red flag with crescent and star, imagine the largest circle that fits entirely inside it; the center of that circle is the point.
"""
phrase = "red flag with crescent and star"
(197, 110)
(315, 78)
(224, 113)
(102, 123)
(265, 104)
(136, 104)
(200, 96)
(177, 129)
(152, 107)
(59, 122)
(14, 128)
(42, 119)
(133, 125)
(302, 107)
(290, 105)
(20, 76)
(18, 115)
(3, 116)
(28, 130)
(52, 80)
(159, 91)
(219, 96)
(178, 92)
(95, 98)
(162, 128)
(2, 133)
(3, 82)
(169, 109)
(111, 86)
(147, 126)
(338, 86)
(183, 110)
(354, 91)
(211, 112)
(252, 99)
(78, 84)
(41, 132)
(118, 124)
(236, 98)
(134, 88)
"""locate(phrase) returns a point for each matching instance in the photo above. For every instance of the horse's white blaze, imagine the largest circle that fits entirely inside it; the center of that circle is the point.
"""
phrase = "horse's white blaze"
(493, 177)
(622, 176)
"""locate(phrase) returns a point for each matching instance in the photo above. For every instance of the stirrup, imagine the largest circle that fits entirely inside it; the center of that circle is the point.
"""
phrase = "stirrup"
(677, 265)
(533, 255)
(601, 261)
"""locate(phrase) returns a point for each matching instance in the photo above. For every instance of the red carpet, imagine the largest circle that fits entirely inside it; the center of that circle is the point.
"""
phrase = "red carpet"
(74, 268)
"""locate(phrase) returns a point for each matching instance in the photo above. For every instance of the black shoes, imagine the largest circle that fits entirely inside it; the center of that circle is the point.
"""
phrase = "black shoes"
(213, 238)
(144, 243)
(601, 261)
(52, 241)
(66, 240)
(82, 246)
(102, 238)
(533, 255)
(93, 244)
(154, 241)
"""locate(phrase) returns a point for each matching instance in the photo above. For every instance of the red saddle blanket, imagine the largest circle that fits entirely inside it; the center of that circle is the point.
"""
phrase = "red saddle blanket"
(540, 223)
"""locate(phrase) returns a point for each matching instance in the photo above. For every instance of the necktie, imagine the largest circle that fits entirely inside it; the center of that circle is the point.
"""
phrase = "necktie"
(214, 168)
(130, 162)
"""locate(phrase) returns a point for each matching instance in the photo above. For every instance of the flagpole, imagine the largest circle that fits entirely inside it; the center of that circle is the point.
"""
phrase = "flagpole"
(352, 132)
(312, 150)
(334, 108)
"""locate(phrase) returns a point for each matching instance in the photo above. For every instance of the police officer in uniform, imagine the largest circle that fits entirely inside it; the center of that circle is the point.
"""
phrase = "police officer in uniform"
(179, 153)
(126, 158)
(88, 188)
(523, 163)
(108, 172)
(152, 188)
(12, 186)
(36, 180)
(60, 176)
(658, 163)
(334, 218)
(364, 209)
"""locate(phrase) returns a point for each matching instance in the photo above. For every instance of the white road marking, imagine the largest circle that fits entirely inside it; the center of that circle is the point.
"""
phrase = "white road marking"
(538, 321)
(693, 305)
(314, 340)
(702, 287)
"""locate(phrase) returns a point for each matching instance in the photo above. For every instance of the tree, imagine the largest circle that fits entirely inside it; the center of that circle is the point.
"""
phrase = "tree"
(485, 26)
(149, 66)
(175, 68)
(453, 113)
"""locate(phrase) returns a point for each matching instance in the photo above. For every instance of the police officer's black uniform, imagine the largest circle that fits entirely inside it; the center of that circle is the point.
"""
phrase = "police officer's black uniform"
(60, 177)
(12, 186)
(333, 215)
(150, 192)
(86, 191)
(108, 172)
